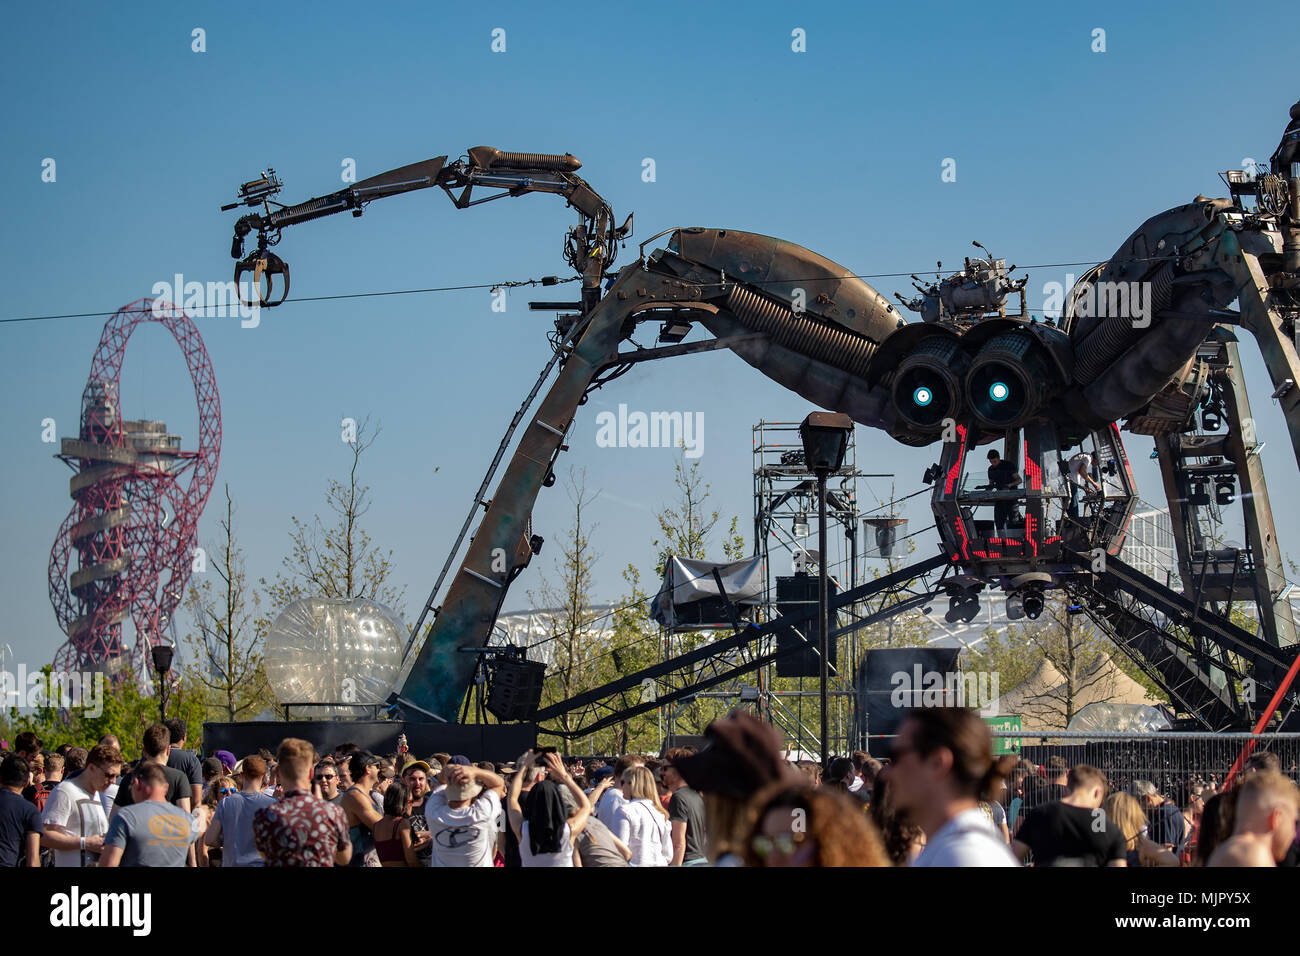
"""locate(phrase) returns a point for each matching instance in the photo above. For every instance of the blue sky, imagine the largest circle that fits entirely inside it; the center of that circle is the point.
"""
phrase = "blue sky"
(1061, 153)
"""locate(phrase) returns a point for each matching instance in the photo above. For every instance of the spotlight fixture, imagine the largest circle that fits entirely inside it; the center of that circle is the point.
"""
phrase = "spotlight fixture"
(1225, 491)
(1015, 606)
(1033, 602)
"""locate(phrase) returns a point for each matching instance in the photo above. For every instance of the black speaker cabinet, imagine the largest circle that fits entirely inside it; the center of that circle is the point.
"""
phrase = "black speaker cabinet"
(516, 689)
(885, 679)
(795, 593)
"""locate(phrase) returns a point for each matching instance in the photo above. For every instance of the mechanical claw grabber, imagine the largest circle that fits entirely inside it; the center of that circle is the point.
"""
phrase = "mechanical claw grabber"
(262, 263)
(590, 246)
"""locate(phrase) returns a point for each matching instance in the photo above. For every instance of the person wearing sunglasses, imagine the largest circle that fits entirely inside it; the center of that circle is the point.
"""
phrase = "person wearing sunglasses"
(797, 825)
(361, 808)
(641, 821)
(216, 792)
(325, 781)
(940, 768)
(74, 820)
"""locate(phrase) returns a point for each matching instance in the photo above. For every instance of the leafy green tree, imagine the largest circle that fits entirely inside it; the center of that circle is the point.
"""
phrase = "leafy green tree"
(124, 708)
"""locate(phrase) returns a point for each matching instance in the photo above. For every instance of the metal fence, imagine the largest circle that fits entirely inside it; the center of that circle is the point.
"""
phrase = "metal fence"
(1172, 761)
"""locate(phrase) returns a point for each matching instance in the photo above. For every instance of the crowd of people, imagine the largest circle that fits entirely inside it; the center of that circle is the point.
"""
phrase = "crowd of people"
(940, 799)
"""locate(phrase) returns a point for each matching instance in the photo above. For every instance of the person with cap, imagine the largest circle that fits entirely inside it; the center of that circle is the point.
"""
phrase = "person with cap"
(384, 780)
(211, 769)
(1079, 471)
(544, 828)
(742, 756)
(462, 817)
(416, 774)
(360, 808)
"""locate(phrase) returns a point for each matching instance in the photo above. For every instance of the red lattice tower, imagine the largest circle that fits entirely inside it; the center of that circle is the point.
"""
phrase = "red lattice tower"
(133, 526)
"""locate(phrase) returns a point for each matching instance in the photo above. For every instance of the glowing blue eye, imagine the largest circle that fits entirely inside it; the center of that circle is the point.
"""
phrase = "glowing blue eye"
(999, 391)
(922, 396)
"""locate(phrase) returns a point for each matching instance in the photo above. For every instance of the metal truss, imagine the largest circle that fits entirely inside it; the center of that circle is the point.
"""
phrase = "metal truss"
(743, 652)
(1197, 657)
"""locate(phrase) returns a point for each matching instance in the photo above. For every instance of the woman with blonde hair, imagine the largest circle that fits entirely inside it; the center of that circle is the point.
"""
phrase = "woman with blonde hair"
(642, 822)
(1123, 811)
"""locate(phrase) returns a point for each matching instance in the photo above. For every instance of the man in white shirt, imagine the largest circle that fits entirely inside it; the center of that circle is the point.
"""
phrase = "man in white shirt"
(110, 792)
(1080, 474)
(942, 760)
(463, 816)
(74, 819)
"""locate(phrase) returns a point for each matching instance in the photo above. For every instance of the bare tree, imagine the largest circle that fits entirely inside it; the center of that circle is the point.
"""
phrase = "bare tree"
(229, 633)
(686, 525)
(341, 560)
(574, 628)
(1084, 658)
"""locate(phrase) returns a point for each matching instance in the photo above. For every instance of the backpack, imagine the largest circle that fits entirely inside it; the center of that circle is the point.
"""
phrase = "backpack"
(42, 794)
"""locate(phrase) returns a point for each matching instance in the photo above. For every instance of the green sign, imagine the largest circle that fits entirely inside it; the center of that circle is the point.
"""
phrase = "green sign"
(1005, 745)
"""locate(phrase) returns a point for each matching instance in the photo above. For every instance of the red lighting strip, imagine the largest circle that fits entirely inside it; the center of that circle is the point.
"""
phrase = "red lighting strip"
(950, 482)
(1034, 472)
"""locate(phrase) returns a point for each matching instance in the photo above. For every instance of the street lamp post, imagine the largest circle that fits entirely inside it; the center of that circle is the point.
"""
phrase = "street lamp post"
(825, 438)
(162, 663)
